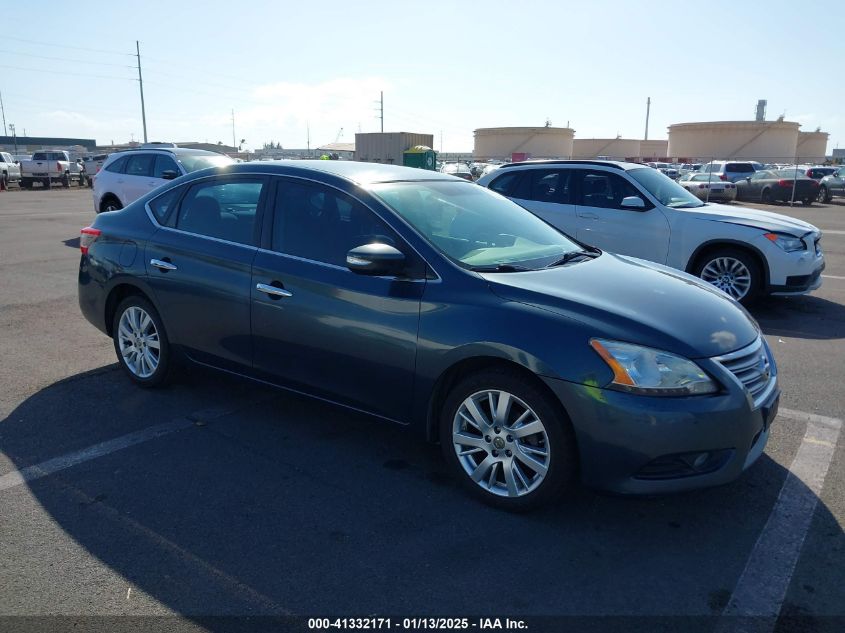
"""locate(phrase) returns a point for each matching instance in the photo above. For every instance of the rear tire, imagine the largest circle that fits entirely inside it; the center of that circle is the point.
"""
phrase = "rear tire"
(110, 203)
(807, 202)
(4, 182)
(26, 183)
(767, 197)
(727, 269)
(824, 195)
(500, 453)
(141, 343)
(66, 181)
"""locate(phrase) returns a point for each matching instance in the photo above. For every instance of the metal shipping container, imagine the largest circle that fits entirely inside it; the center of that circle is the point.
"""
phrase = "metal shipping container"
(388, 147)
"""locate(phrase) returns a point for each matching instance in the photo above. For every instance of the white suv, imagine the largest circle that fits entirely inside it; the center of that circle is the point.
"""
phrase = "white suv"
(126, 176)
(634, 210)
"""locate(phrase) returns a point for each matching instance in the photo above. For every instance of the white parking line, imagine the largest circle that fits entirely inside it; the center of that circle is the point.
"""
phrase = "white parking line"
(831, 232)
(763, 584)
(833, 277)
(18, 477)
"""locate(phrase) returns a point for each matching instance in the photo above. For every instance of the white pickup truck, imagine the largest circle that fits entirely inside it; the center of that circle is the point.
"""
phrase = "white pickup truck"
(48, 167)
(9, 170)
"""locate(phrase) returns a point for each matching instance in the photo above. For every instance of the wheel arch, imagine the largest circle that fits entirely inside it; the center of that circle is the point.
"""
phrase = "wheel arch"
(459, 370)
(106, 197)
(716, 244)
(118, 293)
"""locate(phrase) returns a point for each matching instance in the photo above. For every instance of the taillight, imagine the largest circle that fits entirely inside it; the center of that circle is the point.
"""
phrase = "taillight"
(58, 166)
(784, 183)
(88, 236)
(723, 177)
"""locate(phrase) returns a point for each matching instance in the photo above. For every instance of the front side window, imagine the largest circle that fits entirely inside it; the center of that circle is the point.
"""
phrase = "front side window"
(474, 226)
(164, 163)
(664, 189)
(322, 224)
(740, 168)
(140, 165)
(225, 209)
(606, 190)
(762, 175)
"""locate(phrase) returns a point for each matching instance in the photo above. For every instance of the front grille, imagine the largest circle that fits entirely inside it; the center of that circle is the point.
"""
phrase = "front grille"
(753, 368)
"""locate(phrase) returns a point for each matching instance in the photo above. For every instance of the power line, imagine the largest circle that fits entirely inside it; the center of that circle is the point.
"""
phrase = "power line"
(65, 72)
(63, 59)
(78, 48)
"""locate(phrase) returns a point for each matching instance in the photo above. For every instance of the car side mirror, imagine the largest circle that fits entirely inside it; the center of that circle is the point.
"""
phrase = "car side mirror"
(632, 202)
(748, 179)
(169, 174)
(375, 259)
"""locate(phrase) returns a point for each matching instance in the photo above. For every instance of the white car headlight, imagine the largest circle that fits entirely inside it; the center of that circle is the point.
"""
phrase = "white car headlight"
(653, 372)
(789, 243)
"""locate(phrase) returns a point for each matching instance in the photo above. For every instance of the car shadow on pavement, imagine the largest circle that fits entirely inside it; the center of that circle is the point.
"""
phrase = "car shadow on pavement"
(273, 504)
(805, 316)
(72, 242)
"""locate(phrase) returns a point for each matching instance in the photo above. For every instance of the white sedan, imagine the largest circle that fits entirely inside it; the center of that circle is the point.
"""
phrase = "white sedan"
(706, 187)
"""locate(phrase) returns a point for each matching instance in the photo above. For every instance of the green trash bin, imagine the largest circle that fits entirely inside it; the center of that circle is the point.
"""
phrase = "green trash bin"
(420, 156)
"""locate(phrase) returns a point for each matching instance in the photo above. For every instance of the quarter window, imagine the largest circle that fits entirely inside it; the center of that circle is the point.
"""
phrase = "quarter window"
(163, 205)
(506, 183)
(321, 224)
(223, 209)
(140, 165)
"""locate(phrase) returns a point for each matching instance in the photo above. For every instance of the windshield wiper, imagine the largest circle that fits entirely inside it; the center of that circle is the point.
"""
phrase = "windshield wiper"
(500, 268)
(573, 255)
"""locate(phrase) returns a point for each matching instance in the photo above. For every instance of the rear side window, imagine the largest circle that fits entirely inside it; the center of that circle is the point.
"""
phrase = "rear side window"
(549, 185)
(226, 210)
(740, 168)
(117, 166)
(140, 165)
(164, 204)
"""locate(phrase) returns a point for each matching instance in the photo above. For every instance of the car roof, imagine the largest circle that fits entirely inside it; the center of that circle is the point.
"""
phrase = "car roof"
(353, 171)
(184, 151)
(601, 163)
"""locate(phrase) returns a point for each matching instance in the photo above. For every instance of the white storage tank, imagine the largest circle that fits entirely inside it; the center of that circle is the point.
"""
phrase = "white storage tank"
(614, 148)
(654, 149)
(536, 142)
(766, 141)
(812, 147)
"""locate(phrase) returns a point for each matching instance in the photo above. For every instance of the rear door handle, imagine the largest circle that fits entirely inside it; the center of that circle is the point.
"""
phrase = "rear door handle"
(273, 291)
(162, 265)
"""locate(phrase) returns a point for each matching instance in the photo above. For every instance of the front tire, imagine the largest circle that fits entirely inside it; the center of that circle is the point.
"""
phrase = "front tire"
(141, 343)
(733, 271)
(824, 195)
(507, 440)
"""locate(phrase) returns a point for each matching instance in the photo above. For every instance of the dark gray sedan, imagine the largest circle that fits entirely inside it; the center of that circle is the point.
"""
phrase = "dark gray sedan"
(774, 185)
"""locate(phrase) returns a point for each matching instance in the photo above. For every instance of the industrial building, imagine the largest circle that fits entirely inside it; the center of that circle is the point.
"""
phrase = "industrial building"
(388, 147)
(29, 144)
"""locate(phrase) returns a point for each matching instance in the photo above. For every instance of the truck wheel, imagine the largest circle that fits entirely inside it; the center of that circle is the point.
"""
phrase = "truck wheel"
(47, 183)
(4, 182)
(66, 181)
(26, 183)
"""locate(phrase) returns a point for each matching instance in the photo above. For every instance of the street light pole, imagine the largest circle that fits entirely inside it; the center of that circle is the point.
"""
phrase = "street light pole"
(12, 127)
(141, 83)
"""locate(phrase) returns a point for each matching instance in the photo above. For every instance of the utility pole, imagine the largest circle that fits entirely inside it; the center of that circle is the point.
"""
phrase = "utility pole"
(234, 142)
(4, 114)
(647, 112)
(381, 113)
(141, 83)
(12, 127)
(308, 137)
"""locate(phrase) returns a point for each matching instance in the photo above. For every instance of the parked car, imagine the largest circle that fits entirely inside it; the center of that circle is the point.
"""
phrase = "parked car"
(10, 171)
(126, 176)
(832, 186)
(817, 172)
(776, 185)
(491, 168)
(93, 165)
(705, 187)
(434, 303)
(456, 169)
(731, 171)
(48, 167)
(632, 210)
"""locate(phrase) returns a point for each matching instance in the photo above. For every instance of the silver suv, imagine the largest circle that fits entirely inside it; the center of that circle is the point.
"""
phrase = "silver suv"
(729, 171)
(832, 186)
(126, 176)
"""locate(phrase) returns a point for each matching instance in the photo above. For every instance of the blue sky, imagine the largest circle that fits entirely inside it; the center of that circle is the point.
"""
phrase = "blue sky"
(445, 67)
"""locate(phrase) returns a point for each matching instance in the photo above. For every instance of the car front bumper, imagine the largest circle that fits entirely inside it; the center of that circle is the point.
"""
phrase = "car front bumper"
(633, 444)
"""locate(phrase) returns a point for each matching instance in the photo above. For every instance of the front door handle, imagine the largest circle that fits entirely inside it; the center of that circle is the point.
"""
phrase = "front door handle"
(273, 291)
(590, 216)
(162, 265)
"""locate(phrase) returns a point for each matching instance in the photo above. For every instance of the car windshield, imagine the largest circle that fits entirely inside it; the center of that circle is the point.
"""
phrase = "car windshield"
(195, 162)
(666, 190)
(475, 226)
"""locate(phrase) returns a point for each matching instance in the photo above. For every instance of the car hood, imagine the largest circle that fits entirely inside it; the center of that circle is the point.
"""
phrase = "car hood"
(754, 218)
(629, 299)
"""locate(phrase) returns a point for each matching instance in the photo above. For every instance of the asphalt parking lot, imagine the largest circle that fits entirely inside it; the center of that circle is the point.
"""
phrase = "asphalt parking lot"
(220, 497)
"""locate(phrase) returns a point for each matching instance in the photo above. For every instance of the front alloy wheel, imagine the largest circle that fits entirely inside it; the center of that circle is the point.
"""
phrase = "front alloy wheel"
(729, 275)
(501, 443)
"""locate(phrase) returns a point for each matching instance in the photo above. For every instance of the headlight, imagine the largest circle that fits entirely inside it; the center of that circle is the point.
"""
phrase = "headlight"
(789, 243)
(650, 371)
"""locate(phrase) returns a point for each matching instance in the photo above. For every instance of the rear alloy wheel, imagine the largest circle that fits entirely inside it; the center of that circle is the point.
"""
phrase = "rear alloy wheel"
(768, 198)
(140, 342)
(824, 196)
(732, 271)
(110, 204)
(506, 441)
(807, 202)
